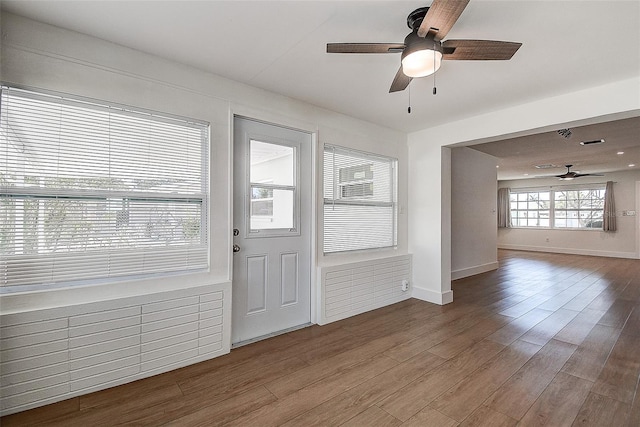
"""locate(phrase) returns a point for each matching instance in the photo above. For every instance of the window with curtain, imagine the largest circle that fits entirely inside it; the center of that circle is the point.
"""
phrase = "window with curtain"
(359, 200)
(91, 191)
(567, 207)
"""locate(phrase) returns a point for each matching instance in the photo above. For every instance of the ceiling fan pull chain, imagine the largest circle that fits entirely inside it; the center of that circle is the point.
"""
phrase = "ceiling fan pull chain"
(409, 109)
(434, 68)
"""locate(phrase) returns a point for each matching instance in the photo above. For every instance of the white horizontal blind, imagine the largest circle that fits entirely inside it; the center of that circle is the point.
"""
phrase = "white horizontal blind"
(359, 200)
(96, 191)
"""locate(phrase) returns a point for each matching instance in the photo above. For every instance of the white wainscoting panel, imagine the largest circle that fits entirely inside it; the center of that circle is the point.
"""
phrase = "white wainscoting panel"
(353, 288)
(54, 354)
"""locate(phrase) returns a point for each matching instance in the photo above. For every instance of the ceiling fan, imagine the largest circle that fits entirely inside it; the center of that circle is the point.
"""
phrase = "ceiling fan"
(423, 49)
(569, 175)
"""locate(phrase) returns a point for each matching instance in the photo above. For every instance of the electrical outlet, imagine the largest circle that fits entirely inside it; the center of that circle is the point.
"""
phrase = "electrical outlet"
(405, 285)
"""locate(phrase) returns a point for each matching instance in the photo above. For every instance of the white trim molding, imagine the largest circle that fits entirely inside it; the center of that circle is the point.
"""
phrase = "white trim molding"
(472, 271)
(440, 298)
(570, 251)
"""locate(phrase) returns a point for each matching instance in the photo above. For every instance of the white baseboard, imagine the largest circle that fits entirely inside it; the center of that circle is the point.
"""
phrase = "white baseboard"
(570, 251)
(472, 271)
(432, 296)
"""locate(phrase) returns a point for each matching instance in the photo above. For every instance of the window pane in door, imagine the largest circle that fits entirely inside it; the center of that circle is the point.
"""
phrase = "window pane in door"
(272, 164)
(274, 211)
(272, 174)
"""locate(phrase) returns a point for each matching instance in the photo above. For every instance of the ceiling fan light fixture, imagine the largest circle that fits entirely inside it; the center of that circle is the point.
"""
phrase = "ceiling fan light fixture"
(421, 63)
(421, 57)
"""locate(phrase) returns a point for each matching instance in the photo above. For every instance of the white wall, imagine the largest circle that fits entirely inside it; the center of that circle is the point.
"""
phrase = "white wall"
(473, 212)
(430, 221)
(37, 55)
(623, 243)
(429, 204)
(41, 56)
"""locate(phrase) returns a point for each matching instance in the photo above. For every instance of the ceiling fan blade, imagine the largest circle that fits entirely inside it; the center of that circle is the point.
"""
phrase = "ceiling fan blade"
(588, 174)
(365, 47)
(400, 81)
(441, 16)
(479, 49)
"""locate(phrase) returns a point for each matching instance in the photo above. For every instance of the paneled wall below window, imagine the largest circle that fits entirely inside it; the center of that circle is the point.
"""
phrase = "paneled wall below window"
(353, 288)
(54, 354)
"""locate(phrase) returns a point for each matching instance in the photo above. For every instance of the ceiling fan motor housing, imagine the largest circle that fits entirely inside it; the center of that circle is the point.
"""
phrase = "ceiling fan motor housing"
(415, 18)
(414, 43)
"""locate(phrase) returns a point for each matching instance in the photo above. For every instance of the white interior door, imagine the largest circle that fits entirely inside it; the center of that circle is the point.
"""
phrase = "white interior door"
(272, 216)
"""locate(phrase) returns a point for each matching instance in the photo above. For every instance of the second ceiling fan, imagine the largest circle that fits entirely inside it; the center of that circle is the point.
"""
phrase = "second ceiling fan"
(423, 49)
(569, 175)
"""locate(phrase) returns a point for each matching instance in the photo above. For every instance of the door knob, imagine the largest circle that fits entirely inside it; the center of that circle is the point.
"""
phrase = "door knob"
(236, 248)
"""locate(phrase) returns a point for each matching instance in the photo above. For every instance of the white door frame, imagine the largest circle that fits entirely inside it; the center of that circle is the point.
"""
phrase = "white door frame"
(284, 122)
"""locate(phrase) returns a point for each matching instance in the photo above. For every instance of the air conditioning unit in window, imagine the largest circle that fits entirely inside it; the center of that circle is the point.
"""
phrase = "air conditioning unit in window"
(356, 181)
(356, 190)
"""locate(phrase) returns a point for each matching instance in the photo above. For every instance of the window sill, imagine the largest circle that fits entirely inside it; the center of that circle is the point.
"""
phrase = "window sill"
(339, 258)
(553, 229)
(43, 299)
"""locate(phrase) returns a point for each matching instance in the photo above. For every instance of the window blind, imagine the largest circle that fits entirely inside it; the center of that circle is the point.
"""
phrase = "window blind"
(90, 190)
(359, 200)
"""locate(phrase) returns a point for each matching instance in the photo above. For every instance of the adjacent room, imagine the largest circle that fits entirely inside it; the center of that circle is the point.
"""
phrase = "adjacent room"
(319, 212)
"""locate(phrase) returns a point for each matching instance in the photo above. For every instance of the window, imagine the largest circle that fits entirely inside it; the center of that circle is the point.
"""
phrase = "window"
(530, 209)
(577, 207)
(359, 200)
(274, 194)
(93, 191)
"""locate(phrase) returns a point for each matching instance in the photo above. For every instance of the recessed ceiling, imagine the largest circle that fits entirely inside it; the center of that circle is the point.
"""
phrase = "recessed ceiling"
(520, 156)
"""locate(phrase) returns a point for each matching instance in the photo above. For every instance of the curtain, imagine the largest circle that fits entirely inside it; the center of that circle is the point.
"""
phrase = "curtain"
(609, 217)
(504, 208)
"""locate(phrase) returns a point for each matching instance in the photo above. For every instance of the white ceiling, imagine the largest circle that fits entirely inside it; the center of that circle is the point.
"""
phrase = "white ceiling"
(280, 47)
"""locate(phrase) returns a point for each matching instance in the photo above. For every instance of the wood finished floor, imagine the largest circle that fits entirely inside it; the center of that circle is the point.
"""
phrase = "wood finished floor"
(546, 339)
